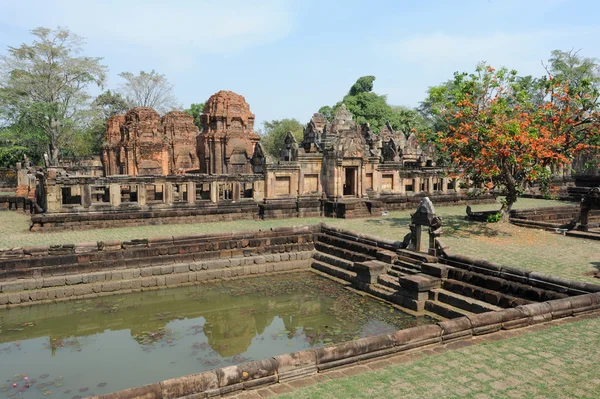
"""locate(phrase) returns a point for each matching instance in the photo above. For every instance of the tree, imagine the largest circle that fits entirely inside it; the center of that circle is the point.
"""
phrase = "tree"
(44, 83)
(110, 104)
(195, 111)
(501, 139)
(148, 90)
(273, 135)
(369, 107)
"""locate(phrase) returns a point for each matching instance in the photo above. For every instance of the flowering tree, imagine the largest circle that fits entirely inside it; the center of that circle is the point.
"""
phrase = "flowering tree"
(504, 131)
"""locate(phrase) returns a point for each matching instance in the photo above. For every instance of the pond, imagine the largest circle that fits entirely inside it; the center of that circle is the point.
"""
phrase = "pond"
(96, 346)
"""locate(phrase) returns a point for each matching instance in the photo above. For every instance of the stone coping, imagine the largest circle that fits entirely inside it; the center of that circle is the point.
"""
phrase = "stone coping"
(290, 366)
(26, 252)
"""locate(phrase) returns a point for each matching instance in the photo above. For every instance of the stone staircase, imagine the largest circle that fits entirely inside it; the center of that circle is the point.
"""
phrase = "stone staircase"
(418, 281)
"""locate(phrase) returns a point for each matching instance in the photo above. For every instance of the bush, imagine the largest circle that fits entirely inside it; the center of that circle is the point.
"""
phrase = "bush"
(494, 217)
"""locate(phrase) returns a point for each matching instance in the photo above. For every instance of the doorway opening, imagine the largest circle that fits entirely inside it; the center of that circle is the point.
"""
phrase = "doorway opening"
(350, 181)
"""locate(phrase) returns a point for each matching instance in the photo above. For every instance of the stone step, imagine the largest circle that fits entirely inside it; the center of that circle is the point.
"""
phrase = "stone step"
(333, 270)
(407, 264)
(334, 260)
(516, 289)
(389, 281)
(461, 302)
(403, 270)
(417, 257)
(484, 295)
(353, 246)
(351, 243)
(342, 253)
(445, 310)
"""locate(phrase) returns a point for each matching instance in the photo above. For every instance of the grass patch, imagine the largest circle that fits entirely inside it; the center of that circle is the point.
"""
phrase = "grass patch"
(559, 362)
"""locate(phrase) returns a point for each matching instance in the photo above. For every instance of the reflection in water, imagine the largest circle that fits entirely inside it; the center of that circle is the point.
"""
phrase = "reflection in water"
(80, 348)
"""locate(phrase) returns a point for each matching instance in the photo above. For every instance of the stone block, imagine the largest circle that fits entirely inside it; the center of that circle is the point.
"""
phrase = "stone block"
(368, 271)
(189, 385)
(417, 334)
(167, 269)
(12, 287)
(160, 281)
(181, 268)
(146, 272)
(560, 308)
(435, 269)
(54, 281)
(296, 364)
(111, 286)
(83, 289)
(244, 372)
(353, 349)
(14, 299)
(152, 391)
(149, 282)
(4, 299)
(419, 282)
(74, 279)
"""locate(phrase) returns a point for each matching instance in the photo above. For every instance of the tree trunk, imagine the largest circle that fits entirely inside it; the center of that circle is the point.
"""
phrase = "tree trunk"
(511, 193)
(54, 148)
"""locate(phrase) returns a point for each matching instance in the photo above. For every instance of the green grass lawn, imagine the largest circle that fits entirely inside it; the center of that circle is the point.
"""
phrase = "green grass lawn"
(500, 242)
(559, 362)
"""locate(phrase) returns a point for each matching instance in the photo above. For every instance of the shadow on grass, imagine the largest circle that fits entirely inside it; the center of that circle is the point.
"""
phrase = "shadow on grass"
(454, 226)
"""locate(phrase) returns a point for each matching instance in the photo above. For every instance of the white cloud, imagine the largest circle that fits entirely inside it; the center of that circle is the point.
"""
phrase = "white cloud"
(223, 26)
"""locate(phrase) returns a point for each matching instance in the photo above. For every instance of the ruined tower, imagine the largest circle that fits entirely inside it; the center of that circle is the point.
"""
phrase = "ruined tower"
(227, 142)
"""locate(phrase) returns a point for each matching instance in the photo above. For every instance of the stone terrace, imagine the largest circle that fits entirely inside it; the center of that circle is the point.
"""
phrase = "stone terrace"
(503, 243)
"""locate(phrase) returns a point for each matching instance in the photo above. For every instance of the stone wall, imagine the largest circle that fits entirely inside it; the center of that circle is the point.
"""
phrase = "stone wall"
(61, 272)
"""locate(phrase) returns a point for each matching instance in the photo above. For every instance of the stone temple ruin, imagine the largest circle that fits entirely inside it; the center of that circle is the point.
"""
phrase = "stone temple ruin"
(163, 170)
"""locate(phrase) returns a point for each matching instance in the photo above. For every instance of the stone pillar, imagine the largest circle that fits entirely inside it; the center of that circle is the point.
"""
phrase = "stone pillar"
(417, 185)
(444, 185)
(402, 185)
(397, 183)
(236, 191)
(214, 192)
(430, 184)
(168, 193)
(142, 200)
(418, 231)
(191, 187)
(115, 194)
(86, 196)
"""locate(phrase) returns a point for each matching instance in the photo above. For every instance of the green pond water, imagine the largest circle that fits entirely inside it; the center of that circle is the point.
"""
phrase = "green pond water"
(96, 346)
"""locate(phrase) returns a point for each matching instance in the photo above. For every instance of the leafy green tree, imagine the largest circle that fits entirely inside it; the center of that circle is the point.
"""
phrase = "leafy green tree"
(367, 106)
(45, 84)
(364, 84)
(274, 132)
(327, 111)
(110, 104)
(195, 111)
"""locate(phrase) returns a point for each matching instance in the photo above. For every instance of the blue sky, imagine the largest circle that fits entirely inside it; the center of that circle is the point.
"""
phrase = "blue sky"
(288, 58)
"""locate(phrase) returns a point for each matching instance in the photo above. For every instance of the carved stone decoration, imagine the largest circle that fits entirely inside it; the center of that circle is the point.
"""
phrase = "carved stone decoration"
(289, 152)
(423, 216)
(371, 139)
(228, 135)
(390, 151)
(311, 141)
